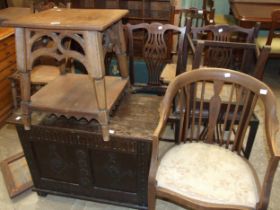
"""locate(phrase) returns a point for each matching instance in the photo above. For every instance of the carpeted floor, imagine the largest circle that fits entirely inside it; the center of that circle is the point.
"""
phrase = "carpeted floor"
(29, 200)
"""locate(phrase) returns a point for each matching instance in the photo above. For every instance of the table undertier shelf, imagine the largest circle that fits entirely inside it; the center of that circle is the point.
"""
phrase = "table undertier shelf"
(73, 95)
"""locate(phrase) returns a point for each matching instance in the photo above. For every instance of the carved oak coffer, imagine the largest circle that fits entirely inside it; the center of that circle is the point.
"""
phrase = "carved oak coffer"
(68, 157)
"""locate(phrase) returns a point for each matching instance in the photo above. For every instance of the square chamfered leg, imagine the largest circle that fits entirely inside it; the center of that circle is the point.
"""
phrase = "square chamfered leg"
(24, 77)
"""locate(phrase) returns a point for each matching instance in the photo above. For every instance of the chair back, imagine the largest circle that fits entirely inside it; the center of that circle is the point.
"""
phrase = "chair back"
(227, 33)
(199, 17)
(213, 119)
(275, 25)
(155, 48)
(45, 5)
(231, 55)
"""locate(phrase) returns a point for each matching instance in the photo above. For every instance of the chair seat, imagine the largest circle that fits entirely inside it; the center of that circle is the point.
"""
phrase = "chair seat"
(275, 45)
(169, 72)
(225, 19)
(43, 74)
(208, 173)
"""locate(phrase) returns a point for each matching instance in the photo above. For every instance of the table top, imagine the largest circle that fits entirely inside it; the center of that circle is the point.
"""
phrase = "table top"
(248, 12)
(11, 13)
(136, 117)
(256, 1)
(72, 19)
(254, 11)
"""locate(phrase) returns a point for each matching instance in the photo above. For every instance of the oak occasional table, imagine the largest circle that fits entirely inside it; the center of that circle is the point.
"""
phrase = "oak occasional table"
(248, 12)
(72, 95)
(68, 157)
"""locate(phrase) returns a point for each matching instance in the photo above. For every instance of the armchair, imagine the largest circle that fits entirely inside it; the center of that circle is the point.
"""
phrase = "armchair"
(209, 171)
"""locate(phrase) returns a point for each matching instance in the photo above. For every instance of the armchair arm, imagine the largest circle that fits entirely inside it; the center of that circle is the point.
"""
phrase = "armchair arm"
(164, 114)
(152, 183)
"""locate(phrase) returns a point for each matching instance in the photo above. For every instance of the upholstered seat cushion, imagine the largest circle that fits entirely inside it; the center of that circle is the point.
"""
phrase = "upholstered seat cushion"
(275, 45)
(208, 173)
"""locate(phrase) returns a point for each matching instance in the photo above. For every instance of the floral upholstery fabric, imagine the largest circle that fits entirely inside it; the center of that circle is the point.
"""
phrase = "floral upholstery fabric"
(208, 173)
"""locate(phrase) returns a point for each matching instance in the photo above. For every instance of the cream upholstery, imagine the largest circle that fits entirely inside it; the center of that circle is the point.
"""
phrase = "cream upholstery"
(275, 45)
(208, 173)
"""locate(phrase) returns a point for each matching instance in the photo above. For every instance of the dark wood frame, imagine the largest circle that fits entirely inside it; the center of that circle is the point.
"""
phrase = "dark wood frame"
(12, 188)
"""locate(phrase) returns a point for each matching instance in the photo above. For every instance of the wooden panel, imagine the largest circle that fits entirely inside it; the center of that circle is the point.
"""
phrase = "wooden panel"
(10, 61)
(16, 174)
(4, 114)
(8, 42)
(5, 99)
(7, 67)
(6, 52)
(7, 72)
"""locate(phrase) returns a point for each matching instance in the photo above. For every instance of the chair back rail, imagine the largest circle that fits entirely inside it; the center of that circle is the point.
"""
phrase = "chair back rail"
(198, 17)
(223, 54)
(225, 33)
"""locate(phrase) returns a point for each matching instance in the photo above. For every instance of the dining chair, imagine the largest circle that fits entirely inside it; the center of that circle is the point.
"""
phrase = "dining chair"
(225, 33)
(199, 17)
(273, 38)
(156, 53)
(39, 6)
(45, 69)
(243, 57)
(207, 169)
(190, 17)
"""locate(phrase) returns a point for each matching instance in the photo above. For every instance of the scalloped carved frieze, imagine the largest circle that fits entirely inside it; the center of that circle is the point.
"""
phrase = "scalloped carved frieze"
(96, 141)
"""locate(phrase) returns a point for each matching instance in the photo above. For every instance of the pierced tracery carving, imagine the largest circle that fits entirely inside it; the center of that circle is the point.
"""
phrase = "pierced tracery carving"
(55, 49)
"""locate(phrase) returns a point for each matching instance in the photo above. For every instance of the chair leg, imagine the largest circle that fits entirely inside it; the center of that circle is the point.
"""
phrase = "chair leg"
(254, 124)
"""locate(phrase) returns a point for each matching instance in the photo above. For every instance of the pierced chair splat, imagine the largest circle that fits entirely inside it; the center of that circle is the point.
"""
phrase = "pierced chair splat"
(155, 52)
